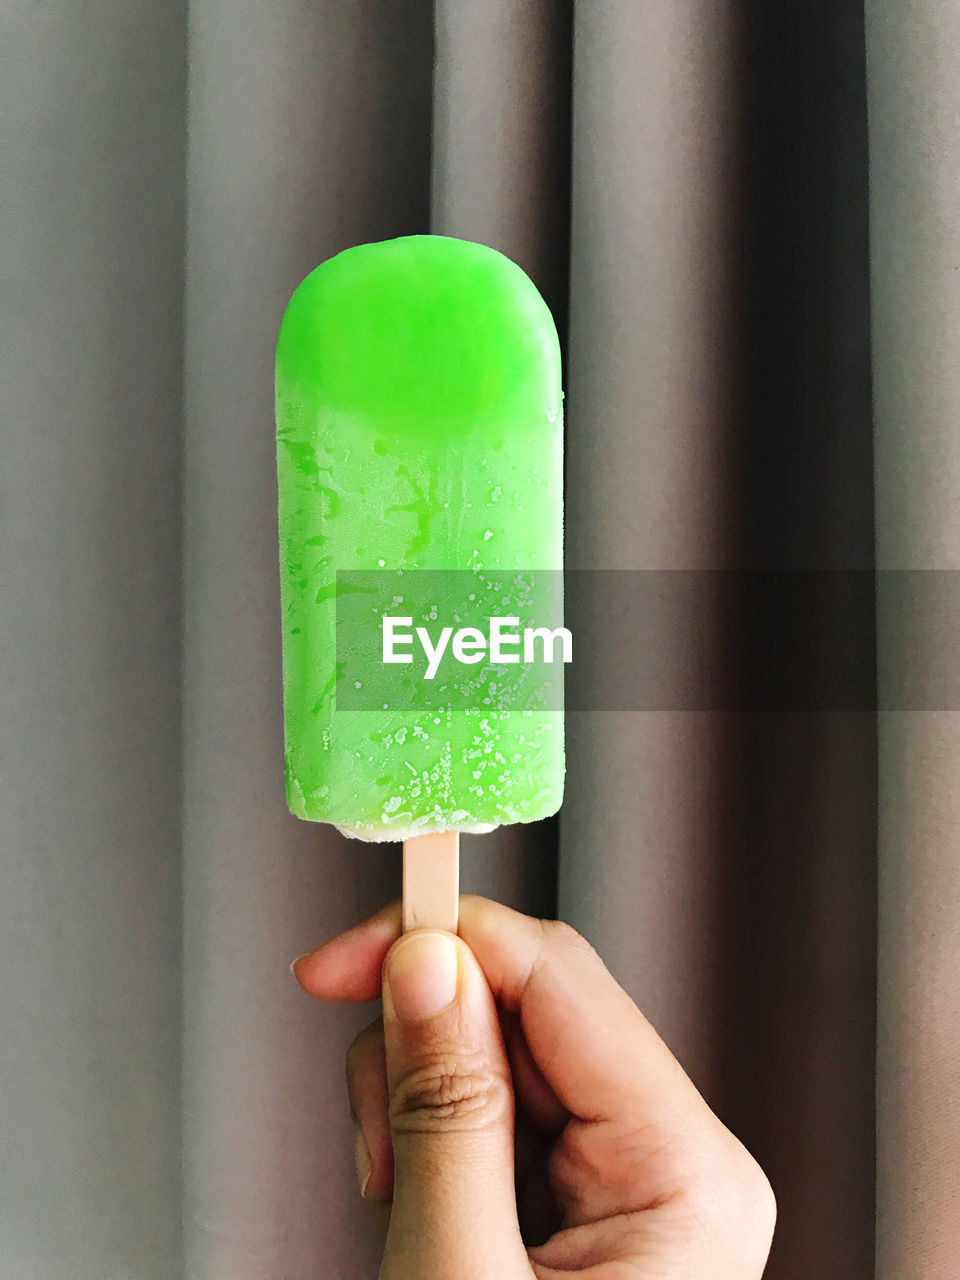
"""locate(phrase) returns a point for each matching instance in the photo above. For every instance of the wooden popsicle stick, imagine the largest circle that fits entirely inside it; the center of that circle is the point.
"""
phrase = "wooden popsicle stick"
(431, 881)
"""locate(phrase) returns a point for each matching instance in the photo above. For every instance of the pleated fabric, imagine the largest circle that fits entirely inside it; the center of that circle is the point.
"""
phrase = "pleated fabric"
(308, 132)
(688, 186)
(914, 81)
(719, 419)
(91, 284)
(309, 129)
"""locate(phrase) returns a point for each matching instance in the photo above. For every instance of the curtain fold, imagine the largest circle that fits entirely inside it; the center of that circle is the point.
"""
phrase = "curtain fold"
(499, 174)
(914, 78)
(687, 184)
(719, 418)
(90, 368)
(651, 427)
(90, 299)
(309, 129)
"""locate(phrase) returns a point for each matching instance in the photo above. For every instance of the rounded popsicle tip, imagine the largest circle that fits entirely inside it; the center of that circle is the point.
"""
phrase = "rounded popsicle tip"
(424, 329)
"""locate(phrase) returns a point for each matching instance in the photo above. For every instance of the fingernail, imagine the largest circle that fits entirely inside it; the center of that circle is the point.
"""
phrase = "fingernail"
(422, 975)
(364, 1163)
(293, 966)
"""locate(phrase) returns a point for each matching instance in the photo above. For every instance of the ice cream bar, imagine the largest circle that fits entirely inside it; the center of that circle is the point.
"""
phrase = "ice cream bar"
(419, 428)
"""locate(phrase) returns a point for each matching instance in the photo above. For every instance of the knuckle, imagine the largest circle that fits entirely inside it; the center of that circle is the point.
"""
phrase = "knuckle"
(563, 937)
(735, 1206)
(751, 1190)
(761, 1203)
(449, 1091)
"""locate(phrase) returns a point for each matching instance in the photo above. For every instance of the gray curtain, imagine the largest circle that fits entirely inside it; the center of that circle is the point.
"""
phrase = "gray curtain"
(688, 184)
(914, 60)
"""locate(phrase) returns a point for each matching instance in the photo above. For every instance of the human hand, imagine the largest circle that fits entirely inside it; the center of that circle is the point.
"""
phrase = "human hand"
(525, 1118)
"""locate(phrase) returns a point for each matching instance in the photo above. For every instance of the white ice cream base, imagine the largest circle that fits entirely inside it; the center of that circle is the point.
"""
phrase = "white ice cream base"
(373, 832)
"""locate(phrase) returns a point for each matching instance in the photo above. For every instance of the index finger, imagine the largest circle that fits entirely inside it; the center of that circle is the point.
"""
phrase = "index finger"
(596, 1050)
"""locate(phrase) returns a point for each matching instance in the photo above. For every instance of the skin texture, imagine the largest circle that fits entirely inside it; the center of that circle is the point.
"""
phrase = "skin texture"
(535, 1125)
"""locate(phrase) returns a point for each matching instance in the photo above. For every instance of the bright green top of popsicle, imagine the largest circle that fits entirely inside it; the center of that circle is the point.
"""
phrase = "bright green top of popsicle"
(424, 335)
(418, 427)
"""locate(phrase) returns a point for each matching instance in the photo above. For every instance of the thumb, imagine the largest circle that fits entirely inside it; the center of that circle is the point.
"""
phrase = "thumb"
(451, 1117)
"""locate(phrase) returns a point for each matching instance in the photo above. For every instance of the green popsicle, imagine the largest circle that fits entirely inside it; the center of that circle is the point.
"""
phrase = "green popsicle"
(419, 427)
